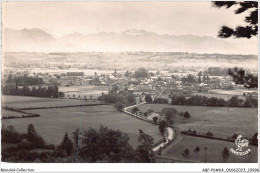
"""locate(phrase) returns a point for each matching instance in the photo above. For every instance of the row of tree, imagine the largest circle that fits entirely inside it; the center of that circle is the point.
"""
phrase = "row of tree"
(224, 153)
(160, 101)
(253, 139)
(75, 73)
(23, 80)
(30, 140)
(102, 145)
(148, 99)
(213, 101)
(122, 98)
(50, 91)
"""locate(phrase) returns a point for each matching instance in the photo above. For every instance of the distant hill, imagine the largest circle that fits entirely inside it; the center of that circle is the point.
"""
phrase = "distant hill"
(130, 40)
(28, 40)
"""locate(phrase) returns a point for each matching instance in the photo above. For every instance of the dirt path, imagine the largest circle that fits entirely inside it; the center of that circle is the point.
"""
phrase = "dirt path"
(171, 132)
(170, 137)
(177, 138)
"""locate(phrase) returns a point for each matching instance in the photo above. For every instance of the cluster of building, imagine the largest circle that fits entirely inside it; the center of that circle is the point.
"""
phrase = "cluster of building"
(157, 85)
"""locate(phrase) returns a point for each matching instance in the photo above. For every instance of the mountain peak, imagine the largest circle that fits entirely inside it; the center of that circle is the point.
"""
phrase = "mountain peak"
(36, 39)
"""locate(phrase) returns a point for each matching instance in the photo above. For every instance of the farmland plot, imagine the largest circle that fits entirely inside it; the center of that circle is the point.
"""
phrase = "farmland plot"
(28, 102)
(221, 121)
(54, 123)
(8, 113)
(213, 153)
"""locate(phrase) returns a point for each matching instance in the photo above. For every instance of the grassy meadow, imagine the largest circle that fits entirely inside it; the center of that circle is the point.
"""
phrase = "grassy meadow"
(54, 123)
(29, 102)
(221, 121)
(213, 152)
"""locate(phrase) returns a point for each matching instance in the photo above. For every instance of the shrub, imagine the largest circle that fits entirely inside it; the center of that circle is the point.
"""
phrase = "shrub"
(119, 106)
(234, 136)
(148, 98)
(33, 137)
(209, 134)
(186, 115)
(162, 126)
(66, 145)
(160, 101)
(186, 153)
(155, 119)
(10, 135)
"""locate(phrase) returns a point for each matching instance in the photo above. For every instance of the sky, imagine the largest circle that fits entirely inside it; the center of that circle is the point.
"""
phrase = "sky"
(176, 18)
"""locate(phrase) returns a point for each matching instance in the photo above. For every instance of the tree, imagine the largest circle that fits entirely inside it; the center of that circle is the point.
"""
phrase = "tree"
(145, 114)
(197, 150)
(248, 103)
(181, 100)
(205, 149)
(251, 29)
(189, 79)
(160, 100)
(204, 78)
(10, 135)
(130, 99)
(170, 113)
(234, 102)
(144, 149)
(66, 145)
(248, 31)
(213, 101)
(186, 114)
(26, 90)
(221, 102)
(242, 78)
(76, 137)
(49, 92)
(34, 91)
(33, 137)
(160, 153)
(61, 94)
(186, 153)
(225, 154)
(55, 93)
(209, 134)
(148, 98)
(119, 106)
(135, 110)
(234, 136)
(30, 132)
(141, 73)
(106, 145)
(127, 73)
(199, 80)
(254, 139)
(162, 126)
(155, 119)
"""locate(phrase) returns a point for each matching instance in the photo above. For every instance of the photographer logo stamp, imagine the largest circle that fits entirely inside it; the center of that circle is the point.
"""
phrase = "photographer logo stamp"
(240, 143)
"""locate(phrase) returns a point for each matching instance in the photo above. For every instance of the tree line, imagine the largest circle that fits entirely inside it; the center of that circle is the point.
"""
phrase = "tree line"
(75, 73)
(120, 99)
(213, 101)
(24, 80)
(90, 146)
(148, 98)
(50, 91)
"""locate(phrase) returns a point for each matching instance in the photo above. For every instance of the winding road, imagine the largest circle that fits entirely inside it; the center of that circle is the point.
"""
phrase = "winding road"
(173, 137)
